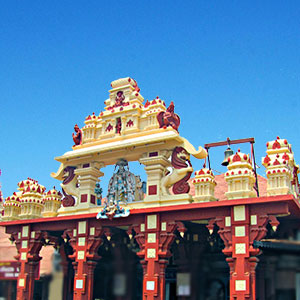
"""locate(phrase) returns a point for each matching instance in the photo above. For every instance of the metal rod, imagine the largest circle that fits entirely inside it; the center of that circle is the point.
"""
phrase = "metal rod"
(225, 143)
(256, 179)
(239, 141)
(208, 159)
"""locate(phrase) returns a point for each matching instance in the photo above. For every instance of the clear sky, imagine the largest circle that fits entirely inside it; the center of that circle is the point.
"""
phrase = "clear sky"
(232, 69)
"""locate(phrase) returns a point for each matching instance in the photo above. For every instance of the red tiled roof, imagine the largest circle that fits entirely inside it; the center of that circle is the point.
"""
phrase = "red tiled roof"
(221, 187)
(8, 251)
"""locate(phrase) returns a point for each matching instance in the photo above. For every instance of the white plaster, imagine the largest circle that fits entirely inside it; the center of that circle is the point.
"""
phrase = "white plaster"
(92, 231)
(82, 227)
(253, 219)
(240, 248)
(24, 244)
(21, 282)
(151, 253)
(25, 231)
(228, 221)
(150, 285)
(151, 221)
(240, 231)
(240, 285)
(80, 255)
(81, 241)
(79, 283)
(151, 237)
(239, 213)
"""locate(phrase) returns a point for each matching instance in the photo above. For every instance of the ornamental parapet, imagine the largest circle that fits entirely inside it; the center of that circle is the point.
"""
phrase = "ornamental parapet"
(240, 177)
(281, 169)
(11, 208)
(205, 183)
(52, 202)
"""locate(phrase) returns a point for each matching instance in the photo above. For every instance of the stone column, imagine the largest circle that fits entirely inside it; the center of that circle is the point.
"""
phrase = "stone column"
(155, 166)
(154, 238)
(29, 244)
(88, 176)
(85, 242)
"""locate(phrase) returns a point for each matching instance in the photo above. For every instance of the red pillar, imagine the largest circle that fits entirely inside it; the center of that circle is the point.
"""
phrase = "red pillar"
(238, 231)
(29, 244)
(85, 241)
(154, 237)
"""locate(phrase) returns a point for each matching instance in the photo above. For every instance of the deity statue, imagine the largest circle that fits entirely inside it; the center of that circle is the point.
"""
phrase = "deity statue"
(122, 185)
(118, 126)
(98, 191)
(119, 99)
(111, 210)
(168, 118)
(78, 137)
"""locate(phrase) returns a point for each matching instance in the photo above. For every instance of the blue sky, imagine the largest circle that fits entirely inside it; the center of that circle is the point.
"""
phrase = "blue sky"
(231, 68)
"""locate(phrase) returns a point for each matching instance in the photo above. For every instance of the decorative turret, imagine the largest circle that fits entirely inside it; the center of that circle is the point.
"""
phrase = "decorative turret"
(204, 183)
(240, 177)
(90, 127)
(12, 208)
(52, 201)
(281, 169)
(31, 199)
(152, 109)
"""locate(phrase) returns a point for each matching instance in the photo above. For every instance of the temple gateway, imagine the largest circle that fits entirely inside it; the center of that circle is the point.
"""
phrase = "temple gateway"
(179, 233)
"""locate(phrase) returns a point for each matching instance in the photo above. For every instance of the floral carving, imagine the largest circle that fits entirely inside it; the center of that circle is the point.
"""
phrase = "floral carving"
(109, 128)
(129, 123)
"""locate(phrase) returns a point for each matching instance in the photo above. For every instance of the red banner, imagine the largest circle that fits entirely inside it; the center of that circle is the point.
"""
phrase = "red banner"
(9, 270)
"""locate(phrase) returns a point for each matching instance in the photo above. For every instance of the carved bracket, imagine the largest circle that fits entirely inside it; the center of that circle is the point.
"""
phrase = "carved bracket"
(182, 170)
